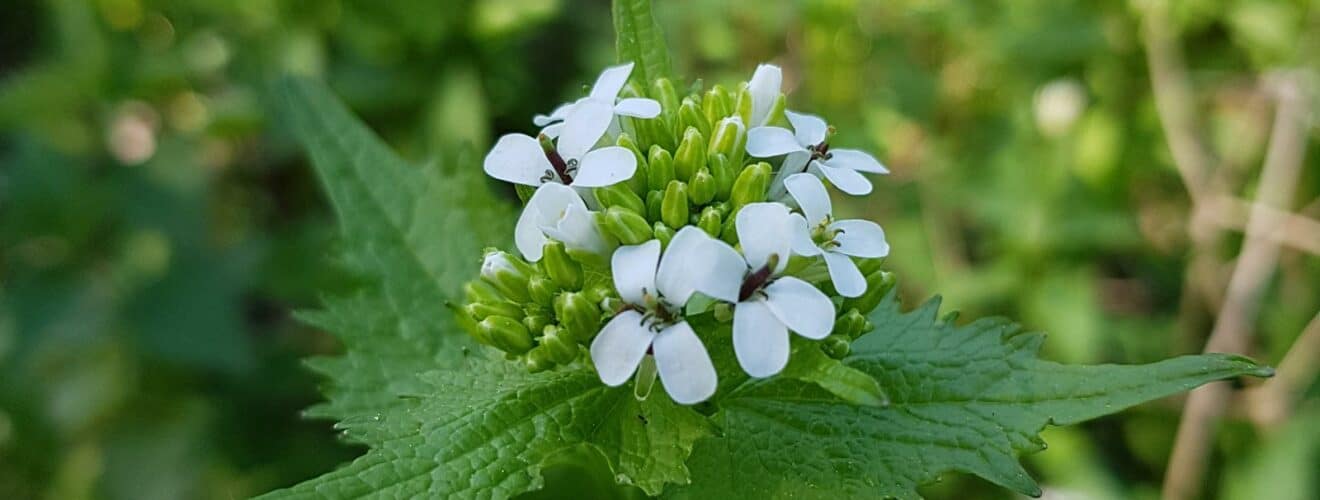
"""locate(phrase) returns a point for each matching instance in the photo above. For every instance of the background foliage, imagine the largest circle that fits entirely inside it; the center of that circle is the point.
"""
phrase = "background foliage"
(157, 225)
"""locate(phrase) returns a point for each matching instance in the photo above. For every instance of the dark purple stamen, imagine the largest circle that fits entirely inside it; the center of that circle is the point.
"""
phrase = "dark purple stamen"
(755, 281)
(821, 151)
(562, 168)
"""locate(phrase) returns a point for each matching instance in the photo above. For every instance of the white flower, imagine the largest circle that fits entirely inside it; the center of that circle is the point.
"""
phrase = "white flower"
(606, 90)
(520, 158)
(820, 234)
(768, 305)
(764, 88)
(656, 289)
(557, 211)
(805, 146)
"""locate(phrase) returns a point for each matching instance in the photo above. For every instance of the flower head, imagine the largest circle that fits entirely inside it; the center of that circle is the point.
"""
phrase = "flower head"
(807, 148)
(571, 159)
(606, 90)
(655, 289)
(817, 233)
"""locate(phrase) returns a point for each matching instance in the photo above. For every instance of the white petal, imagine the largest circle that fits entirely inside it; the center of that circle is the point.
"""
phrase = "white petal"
(764, 142)
(762, 228)
(620, 346)
(848, 280)
(760, 340)
(853, 159)
(800, 238)
(765, 88)
(794, 163)
(848, 181)
(811, 196)
(557, 115)
(517, 158)
(578, 230)
(527, 234)
(860, 238)
(684, 366)
(584, 127)
(610, 82)
(634, 270)
(801, 307)
(695, 262)
(808, 129)
(638, 107)
(605, 166)
(553, 130)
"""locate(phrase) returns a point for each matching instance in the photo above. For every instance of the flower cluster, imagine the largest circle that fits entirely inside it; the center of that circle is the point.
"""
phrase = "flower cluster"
(645, 213)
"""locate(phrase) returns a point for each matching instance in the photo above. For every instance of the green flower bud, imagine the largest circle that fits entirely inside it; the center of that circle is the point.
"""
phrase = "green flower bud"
(561, 268)
(717, 104)
(691, 154)
(654, 202)
(777, 117)
(628, 226)
(730, 231)
(620, 195)
(610, 306)
(751, 185)
(577, 315)
(508, 274)
(724, 171)
(536, 322)
(742, 103)
(538, 360)
(561, 347)
(663, 90)
(663, 233)
(543, 290)
(702, 187)
(722, 207)
(480, 291)
(507, 334)
(878, 284)
(729, 139)
(836, 346)
(710, 222)
(639, 179)
(674, 207)
(661, 169)
(482, 310)
(690, 116)
(598, 292)
(868, 266)
(849, 324)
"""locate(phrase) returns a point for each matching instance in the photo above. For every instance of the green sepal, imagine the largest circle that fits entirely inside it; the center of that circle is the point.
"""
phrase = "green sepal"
(638, 182)
(561, 347)
(661, 168)
(654, 202)
(628, 226)
(690, 116)
(577, 315)
(717, 104)
(507, 334)
(878, 284)
(710, 222)
(674, 208)
(561, 268)
(663, 233)
(482, 310)
(702, 188)
(619, 196)
(751, 185)
(691, 154)
(542, 289)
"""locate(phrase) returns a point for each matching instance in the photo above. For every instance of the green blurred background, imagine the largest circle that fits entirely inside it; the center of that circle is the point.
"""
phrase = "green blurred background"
(158, 225)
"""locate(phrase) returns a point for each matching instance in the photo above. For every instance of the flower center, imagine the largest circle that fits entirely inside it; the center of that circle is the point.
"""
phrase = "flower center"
(824, 236)
(656, 312)
(563, 171)
(821, 151)
(757, 280)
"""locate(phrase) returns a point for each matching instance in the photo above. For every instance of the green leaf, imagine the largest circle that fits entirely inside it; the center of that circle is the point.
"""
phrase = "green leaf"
(966, 399)
(809, 364)
(440, 419)
(639, 40)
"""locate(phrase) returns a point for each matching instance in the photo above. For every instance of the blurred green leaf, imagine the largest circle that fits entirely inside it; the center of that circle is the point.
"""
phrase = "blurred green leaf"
(640, 40)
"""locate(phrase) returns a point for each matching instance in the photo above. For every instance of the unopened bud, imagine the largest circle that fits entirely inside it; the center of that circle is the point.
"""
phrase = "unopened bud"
(836, 346)
(661, 168)
(729, 234)
(691, 154)
(537, 321)
(742, 104)
(724, 171)
(629, 227)
(620, 195)
(878, 285)
(750, 186)
(710, 222)
(598, 292)
(729, 139)
(482, 310)
(849, 324)
(508, 274)
(868, 266)
(506, 333)
(663, 233)
(663, 90)
(577, 315)
(654, 203)
(481, 291)
(674, 208)
(717, 104)
(561, 347)
(611, 305)
(690, 116)
(542, 289)
(561, 268)
(702, 187)
(538, 360)
(639, 179)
